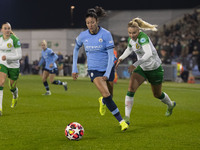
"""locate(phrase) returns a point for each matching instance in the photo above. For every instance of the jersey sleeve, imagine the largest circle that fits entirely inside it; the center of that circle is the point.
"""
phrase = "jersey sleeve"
(109, 40)
(50, 52)
(79, 40)
(16, 42)
(110, 63)
(143, 39)
(55, 56)
(41, 61)
(75, 59)
(129, 45)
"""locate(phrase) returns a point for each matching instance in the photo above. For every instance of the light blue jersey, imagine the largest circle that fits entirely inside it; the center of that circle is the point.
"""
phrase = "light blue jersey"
(49, 57)
(98, 48)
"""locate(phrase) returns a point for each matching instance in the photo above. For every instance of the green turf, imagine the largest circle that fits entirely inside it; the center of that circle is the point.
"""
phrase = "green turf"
(38, 122)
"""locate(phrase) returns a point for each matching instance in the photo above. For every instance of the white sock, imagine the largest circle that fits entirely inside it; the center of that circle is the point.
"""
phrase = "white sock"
(15, 94)
(167, 100)
(128, 105)
(1, 98)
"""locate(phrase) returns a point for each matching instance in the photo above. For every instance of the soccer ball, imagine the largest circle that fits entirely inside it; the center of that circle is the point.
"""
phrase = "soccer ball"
(74, 131)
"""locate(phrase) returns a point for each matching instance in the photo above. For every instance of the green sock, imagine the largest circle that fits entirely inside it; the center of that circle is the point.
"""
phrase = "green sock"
(131, 94)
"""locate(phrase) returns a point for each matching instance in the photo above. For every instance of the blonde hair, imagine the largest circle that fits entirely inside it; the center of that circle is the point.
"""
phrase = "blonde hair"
(141, 24)
(44, 42)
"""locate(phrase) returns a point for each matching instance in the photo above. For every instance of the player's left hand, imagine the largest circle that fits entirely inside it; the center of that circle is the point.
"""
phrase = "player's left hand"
(118, 62)
(131, 68)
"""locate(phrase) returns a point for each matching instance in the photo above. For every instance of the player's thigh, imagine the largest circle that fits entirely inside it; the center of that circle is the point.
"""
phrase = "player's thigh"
(135, 81)
(101, 86)
(3, 74)
(51, 77)
(2, 78)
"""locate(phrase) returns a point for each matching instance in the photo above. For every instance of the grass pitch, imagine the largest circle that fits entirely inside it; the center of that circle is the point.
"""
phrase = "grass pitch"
(38, 122)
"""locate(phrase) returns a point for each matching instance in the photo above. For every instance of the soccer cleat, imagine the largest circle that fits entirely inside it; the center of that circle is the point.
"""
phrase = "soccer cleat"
(14, 103)
(127, 120)
(65, 85)
(102, 107)
(15, 98)
(47, 93)
(124, 125)
(0, 112)
(170, 109)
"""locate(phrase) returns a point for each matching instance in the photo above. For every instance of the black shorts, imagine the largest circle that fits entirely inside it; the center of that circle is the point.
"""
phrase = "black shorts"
(94, 73)
(53, 71)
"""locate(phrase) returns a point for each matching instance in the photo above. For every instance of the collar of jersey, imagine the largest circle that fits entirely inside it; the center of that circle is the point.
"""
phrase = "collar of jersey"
(97, 32)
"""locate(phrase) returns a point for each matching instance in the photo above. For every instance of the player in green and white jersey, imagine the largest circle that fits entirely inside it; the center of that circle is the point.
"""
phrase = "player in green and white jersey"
(147, 67)
(10, 54)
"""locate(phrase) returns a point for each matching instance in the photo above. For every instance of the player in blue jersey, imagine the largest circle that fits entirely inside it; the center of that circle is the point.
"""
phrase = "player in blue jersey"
(50, 70)
(148, 66)
(98, 44)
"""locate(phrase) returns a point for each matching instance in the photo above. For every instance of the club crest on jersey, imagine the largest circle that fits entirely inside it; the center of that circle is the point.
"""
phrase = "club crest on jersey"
(100, 40)
(142, 40)
(9, 45)
(18, 43)
(137, 46)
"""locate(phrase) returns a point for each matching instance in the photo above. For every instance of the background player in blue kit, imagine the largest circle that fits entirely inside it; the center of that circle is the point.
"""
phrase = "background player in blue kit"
(49, 58)
(98, 44)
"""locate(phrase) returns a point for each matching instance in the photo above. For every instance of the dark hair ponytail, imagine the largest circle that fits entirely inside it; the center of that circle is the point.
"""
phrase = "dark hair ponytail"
(96, 12)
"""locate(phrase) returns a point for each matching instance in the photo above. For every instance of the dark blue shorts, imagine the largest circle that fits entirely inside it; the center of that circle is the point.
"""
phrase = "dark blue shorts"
(53, 71)
(94, 73)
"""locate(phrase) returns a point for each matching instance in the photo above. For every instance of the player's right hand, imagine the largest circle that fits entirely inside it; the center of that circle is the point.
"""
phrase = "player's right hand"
(117, 64)
(3, 58)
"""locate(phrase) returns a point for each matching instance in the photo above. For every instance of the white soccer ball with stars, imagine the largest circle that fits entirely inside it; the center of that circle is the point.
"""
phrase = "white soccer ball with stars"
(74, 131)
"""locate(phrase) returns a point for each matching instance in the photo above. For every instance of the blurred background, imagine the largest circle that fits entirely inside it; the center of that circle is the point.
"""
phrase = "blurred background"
(60, 22)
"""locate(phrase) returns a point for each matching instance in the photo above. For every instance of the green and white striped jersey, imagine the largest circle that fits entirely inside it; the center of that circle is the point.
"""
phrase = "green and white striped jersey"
(11, 48)
(151, 62)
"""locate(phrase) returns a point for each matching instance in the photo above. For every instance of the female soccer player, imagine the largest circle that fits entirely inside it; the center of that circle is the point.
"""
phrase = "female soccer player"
(148, 66)
(98, 44)
(10, 54)
(50, 70)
